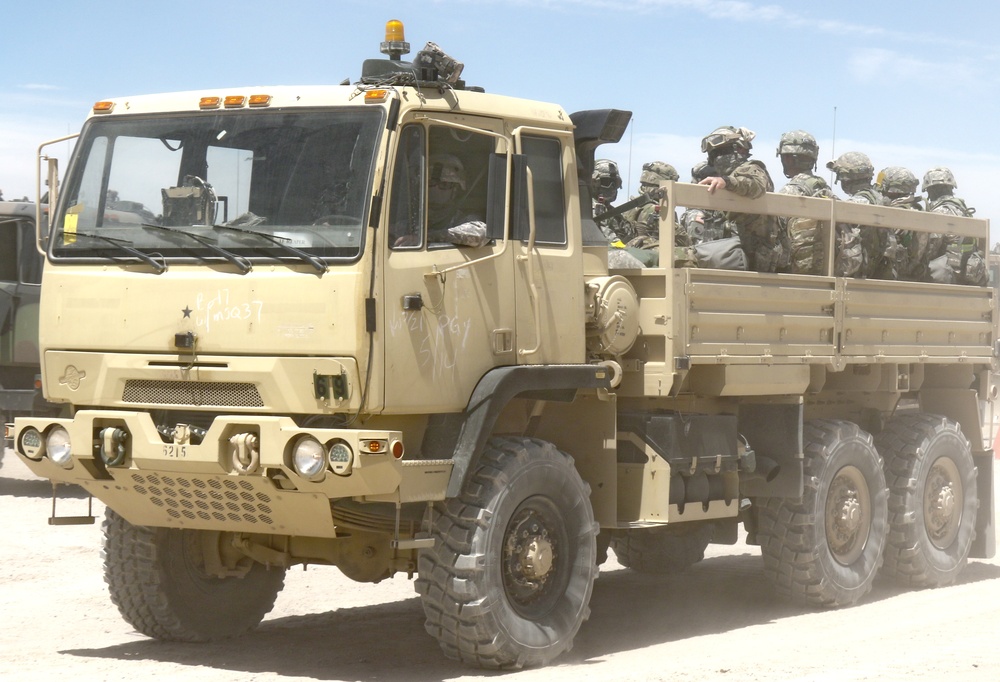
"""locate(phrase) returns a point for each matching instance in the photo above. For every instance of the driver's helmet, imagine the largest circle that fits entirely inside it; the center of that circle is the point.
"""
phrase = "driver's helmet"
(447, 168)
(939, 176)
(851, 167)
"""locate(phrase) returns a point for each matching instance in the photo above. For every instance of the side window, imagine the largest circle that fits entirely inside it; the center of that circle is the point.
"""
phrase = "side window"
(440, 188)
(406, 215)
(544, 156)
(30, 259)
(8, 247)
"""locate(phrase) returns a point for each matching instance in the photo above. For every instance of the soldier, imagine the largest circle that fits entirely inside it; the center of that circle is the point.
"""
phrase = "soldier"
(860, 248)
(646, 218)
(446, 221)
(604, 185)
(899, 187)
(728, 150)
(953, 258)
(798, 151)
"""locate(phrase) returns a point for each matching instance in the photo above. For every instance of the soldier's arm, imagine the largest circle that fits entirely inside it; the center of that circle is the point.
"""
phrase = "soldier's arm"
(748, 180)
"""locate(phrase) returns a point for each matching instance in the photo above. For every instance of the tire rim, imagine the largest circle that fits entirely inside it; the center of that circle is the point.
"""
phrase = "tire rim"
(944, 498)
(848, 515)
(534, 557)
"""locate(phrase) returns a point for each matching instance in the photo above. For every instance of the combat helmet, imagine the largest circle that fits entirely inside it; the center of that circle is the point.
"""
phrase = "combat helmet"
(700, 171)
(896, 181)
(939, 176)
(654, 172)
(447, 168)
(606, 180)
(798, 142)
(726, 136)
(851, 167)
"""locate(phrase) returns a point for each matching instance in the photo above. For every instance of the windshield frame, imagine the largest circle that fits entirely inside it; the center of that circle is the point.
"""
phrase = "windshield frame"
(359, 130)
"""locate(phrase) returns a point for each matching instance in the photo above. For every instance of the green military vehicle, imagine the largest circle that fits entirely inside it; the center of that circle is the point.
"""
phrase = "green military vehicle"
(270, 360)
(20, 283)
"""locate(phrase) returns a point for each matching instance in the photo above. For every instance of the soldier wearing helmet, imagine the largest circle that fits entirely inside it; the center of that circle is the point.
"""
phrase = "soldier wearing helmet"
(798, 151)
(953, 259)
(604, 185)
(860, 248)
(646, 218)
(605, 182)
(698, 224)
(728, 149)
(447, 223)
(899, 186)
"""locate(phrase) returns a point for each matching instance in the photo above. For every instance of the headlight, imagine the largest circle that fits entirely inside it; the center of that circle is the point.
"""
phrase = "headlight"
(57, 447)
(341, 458)
(30, 443)
(309, 458)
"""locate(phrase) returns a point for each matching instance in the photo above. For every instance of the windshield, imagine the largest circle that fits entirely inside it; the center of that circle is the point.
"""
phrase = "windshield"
(236, 186)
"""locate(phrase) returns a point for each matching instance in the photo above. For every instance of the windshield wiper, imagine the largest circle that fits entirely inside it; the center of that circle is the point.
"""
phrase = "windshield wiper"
(240, 262)
(280, 243)
(123, 244)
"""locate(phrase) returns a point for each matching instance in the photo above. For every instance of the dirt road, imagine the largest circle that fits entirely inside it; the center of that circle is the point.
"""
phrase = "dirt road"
(718, 621)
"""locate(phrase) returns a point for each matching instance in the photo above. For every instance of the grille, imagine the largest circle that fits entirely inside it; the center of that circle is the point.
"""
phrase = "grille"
(197, 393)
(214, 499)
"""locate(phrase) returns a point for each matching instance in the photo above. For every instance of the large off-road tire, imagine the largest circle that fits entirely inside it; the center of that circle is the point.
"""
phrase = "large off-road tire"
(157, 581)
(665, 550)
(509, 580)
(826, 548)
(932, 499)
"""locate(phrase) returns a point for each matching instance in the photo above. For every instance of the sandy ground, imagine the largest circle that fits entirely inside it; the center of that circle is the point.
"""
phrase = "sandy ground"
(718, 621)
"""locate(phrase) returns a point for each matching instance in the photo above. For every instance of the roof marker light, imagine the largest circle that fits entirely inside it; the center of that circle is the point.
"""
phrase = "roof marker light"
(260, 100)
(377, 95)
(234, 101)
(103, 107)
(210, 103)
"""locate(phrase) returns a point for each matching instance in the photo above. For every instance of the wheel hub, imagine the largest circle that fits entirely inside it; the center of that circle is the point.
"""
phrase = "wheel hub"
(530, 555)
(943, 500)
(848, 515)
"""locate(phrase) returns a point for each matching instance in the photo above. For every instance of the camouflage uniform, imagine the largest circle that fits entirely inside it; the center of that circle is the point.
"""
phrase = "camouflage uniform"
(798, 152)
(446, 222)
(697, 224)
(604, 186)
(952, 259)
(728, 150)
(860, 248)
(646, 218)
(899, 186)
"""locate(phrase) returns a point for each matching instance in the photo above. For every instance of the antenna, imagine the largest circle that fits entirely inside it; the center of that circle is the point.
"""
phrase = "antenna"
(631, 137)
(833, 143)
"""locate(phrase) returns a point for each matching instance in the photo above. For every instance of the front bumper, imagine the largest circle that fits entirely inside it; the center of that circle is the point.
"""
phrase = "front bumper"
(203, 486)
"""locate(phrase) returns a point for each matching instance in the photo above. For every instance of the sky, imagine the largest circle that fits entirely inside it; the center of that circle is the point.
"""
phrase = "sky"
(909, 84)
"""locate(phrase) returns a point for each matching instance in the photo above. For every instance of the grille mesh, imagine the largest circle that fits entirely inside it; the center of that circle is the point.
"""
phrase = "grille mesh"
(214, 499)
(194, 393)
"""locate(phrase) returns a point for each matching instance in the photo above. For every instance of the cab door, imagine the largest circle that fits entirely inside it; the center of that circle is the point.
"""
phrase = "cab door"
(548, 269)
(449, 310)
(20, 280)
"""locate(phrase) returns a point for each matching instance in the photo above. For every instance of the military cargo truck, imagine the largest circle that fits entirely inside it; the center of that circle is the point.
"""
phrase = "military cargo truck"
(20, 281)
(270, 360)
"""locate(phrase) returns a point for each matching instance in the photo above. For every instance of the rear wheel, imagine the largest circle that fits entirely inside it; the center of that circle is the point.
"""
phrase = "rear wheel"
(826, 548)
(509, 579)
(670, 549)
(932, 499)
(158, 581)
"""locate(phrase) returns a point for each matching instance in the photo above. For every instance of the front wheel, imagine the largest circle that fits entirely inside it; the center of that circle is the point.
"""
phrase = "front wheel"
(932, 499)
(826, 548)
(509, 579)
(158, 581)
